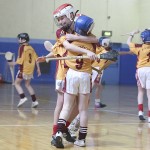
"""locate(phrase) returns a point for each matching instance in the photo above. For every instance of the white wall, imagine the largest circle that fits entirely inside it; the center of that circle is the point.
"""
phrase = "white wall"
(35, 16)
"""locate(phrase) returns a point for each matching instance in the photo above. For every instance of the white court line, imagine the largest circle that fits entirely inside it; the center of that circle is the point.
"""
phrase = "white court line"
(91, 109)
(90, 124)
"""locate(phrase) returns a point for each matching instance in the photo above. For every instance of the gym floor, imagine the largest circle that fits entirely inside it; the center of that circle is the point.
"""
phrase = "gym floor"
(115, 127)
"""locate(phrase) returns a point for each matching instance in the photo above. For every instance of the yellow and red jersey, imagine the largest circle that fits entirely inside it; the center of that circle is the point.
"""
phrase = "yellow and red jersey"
(143, 54)
(102, 63)
(81, 65)
(61, 68)
(26, 59)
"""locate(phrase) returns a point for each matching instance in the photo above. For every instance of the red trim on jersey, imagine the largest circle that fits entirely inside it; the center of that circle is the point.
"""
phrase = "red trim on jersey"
(20, 51)
(60, 32)
(138, 45)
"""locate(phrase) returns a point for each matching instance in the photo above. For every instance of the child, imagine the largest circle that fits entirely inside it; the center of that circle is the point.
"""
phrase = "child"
(26, 61)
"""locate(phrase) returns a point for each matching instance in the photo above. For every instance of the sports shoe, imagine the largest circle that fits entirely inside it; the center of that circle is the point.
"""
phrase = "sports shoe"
(141, 116)
(74, 126)
(35, 104)
(22, 101)
(100, 105)
(59, 140)
(53, 141)
(80, 143)
(68, 136)
(73, 132)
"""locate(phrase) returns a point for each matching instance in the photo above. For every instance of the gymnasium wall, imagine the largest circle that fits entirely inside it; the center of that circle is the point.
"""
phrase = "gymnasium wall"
(35, 16)
(121, 72)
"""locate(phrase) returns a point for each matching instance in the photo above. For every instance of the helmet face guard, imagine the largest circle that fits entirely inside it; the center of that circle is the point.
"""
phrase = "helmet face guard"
(63, 10)
(104, 41)
(145, 35)
(84, 25)
(24, 36)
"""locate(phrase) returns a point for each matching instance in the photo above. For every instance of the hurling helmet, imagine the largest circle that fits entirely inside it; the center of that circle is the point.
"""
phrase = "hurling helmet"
(83, 25)
(145, 35)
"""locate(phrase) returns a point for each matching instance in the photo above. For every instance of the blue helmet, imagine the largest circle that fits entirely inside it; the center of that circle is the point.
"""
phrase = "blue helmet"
(83, 25)
(145, 35)
(104, 41)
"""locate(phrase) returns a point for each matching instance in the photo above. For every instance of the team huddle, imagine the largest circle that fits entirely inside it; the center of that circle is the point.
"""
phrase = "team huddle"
(76, 77)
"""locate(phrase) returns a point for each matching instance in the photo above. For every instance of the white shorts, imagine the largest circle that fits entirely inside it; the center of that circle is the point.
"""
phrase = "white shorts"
(59, 85)
(78, 82)
(95, 76)
(24, 76)
(143, 75)
(27, 76)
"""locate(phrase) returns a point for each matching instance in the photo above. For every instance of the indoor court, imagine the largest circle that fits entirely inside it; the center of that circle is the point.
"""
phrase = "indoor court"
(114, 127)
(36, 34)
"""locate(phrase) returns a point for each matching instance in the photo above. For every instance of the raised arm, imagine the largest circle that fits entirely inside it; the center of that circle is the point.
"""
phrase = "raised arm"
(129, 40)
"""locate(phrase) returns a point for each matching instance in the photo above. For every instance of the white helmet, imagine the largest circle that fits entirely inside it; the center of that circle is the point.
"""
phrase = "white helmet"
(64, 9)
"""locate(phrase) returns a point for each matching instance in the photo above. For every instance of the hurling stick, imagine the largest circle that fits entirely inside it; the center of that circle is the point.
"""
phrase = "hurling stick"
(66, 58)
(10, 57)
(12, 74)
(136, 32)
(48, 46)
(111, 55)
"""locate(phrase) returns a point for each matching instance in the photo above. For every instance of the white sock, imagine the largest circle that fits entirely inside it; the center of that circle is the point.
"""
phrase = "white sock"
(97, 101)
(141, 113)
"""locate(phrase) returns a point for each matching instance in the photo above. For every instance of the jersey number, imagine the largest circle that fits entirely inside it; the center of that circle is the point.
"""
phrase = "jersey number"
(30, 58)
(79, 63)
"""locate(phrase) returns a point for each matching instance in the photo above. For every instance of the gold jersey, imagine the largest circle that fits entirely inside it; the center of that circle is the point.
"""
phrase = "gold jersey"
(81, 65)
(102, 63)
(27, 59)
(143, 54)
(61, 67)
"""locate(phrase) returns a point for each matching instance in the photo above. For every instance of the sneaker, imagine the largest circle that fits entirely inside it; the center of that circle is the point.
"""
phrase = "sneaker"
(80, 143)
(35, 104)
(22, 101)
(68, 136)
(74, 126)
(73, 130)
(100, 105)
(53, 141)
(141, 116)
(59, 140)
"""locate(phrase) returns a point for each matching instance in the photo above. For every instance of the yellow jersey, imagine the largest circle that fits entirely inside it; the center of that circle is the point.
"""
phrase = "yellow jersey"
(143, 54)
(26, 58)
(81, 65)
(102, 63)
(61, 68)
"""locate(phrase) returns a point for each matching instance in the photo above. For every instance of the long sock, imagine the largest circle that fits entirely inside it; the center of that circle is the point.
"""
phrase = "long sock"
(33, 98)
(149, 113)
(82, 133)
(61, 125)
(67, 124)
(54, 129)
(22, 95)
(140, 107)
(97, 101)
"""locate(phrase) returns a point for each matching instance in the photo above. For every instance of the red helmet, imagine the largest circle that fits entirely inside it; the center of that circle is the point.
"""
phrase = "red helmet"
(64, 9)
